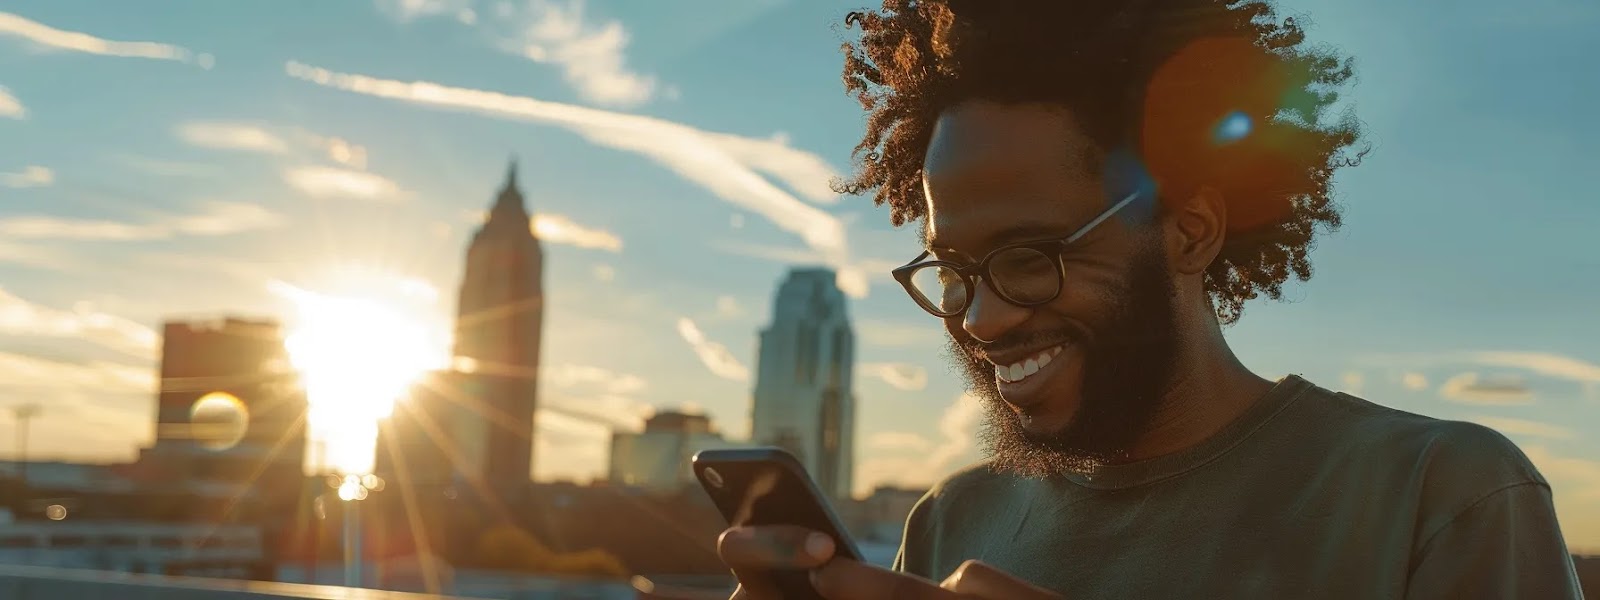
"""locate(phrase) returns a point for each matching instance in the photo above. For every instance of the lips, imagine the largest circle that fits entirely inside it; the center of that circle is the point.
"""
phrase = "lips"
(1020, 379)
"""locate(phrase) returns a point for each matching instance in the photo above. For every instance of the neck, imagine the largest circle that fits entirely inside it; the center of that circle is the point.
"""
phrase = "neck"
(1209, 389)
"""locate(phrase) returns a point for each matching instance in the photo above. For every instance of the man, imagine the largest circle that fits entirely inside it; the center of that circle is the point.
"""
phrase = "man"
(1101, 185)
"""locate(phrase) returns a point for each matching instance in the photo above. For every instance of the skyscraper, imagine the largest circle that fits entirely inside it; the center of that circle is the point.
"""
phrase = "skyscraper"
(230, 411)
(499, 325)
(804, 396)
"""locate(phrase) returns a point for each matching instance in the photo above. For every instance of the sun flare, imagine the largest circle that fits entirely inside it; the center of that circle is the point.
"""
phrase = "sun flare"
(357, 355)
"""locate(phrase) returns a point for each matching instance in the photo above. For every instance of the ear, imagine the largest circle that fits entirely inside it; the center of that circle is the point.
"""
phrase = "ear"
(1195, 231)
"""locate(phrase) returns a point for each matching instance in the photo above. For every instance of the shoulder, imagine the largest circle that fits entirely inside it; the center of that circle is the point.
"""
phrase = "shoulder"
(1449, 465)
(1430, 445)
(971, 491)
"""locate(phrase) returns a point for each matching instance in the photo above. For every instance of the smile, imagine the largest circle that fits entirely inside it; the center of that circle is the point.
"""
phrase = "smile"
(1022, 369)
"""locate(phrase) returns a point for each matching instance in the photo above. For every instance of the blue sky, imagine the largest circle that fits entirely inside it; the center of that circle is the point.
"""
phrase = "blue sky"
(677, 154)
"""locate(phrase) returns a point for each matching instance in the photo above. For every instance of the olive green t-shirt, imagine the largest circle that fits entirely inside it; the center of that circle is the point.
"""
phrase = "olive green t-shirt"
(1309, 494)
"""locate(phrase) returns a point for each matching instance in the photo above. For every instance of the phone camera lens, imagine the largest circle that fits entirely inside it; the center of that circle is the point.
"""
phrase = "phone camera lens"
(713, 477)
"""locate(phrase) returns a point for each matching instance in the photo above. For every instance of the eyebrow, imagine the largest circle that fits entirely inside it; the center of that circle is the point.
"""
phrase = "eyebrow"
(1025, 232)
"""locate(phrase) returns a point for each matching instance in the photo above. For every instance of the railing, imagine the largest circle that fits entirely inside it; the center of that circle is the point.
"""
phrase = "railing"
(47, 583)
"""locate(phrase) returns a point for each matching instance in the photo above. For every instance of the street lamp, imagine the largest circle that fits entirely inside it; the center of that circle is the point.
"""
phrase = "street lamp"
(23, 414)
(352, 490)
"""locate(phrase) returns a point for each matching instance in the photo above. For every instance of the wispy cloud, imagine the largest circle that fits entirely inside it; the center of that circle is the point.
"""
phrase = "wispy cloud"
(558, 229)
(29, 176)
(854, 278)
(901, 376)
(49, 38)
(410, 10)
(20, 317)
(958, 428)
(10, 106)
(232, 136)
(255, 137)
(714, 355)
(1414, 381)
(1543, 363)
(890, 334)
(592, 56)
(696, 155)
(898, 441)
(1522, 427)
(598, 379)
(1471, 388)
(1352, 382)
(331, 182)
(805, 173)
(19, 371)
(216, 218)
(728, 307)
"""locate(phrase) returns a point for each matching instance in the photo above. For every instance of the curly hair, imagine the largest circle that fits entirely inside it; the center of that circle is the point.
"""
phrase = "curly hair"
(1159, 77)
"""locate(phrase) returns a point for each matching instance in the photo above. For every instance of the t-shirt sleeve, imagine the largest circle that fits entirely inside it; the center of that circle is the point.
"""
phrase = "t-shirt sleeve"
(1506, 545)
(916, 540)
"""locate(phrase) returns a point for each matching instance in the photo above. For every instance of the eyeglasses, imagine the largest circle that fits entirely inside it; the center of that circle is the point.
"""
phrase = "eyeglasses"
(1024, 274)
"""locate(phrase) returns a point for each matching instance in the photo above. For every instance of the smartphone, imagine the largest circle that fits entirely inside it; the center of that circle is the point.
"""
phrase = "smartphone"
(768, 486)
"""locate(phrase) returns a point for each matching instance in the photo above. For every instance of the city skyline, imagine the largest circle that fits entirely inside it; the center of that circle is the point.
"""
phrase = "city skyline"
(677, 160)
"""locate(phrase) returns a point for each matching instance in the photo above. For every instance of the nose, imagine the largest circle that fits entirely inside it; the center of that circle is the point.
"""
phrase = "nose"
(990, 316)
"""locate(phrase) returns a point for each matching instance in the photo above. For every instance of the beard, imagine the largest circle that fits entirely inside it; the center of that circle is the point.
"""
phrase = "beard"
(1128, 367)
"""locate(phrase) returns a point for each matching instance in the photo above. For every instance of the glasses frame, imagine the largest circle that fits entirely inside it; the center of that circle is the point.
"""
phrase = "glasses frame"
(972, 273)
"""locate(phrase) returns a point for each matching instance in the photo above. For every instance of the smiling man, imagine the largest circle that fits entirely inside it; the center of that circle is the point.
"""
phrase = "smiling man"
(1102, 185)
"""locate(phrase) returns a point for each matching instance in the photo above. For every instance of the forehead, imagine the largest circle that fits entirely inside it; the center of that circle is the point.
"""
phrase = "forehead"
(999, 173)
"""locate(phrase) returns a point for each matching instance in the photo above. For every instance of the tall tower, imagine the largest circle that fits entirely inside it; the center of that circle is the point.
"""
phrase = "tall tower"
(498, 327)
(804, 396)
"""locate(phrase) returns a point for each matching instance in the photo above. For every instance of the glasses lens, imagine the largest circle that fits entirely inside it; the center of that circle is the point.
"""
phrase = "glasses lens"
(1025, 275)
(940, 288)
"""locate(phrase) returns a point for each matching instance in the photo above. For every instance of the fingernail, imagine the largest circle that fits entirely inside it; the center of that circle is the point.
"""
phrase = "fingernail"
(819, 545)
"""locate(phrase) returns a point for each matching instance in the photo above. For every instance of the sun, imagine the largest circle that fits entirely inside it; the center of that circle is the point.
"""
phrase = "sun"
(357, 354)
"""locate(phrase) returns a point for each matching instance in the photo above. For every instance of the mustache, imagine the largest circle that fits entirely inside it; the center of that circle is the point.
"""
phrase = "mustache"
(1022, 340)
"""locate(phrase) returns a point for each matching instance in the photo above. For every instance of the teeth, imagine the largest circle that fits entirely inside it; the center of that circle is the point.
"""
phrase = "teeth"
(1023, 369)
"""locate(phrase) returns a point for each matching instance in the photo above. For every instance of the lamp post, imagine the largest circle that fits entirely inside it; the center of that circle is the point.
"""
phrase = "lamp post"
(23, 414)
(352, 490)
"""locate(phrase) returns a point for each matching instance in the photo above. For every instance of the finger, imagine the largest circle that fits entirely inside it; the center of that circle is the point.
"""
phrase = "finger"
(768, 548)
(974, 578)
(852, 580)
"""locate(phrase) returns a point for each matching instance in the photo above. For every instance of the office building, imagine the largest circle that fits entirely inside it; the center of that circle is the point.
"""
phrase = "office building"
(804, 397)
(658, 458)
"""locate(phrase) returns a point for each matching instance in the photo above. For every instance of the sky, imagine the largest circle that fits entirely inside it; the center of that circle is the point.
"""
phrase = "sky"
(190, 159)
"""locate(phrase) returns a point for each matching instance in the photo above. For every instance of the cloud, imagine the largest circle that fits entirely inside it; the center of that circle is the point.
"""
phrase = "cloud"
(1543, 363)
(410, 10)
(1576, 486)
(1522, 427)
(958, 428)
(29, 176)
(251, 137)
(1352, 381)
(47, 37)
(853, 279)
(558, 229)
(597, 379)
(1470, 388)
(232, 136)
(893, 441)
(217, 218)
(1414, 381)
(20, 317)
(716, 356)
(805, 173)
(901, 376)
(332, 182)
(590, 55)
(728, 307)
(36, 374)
(698, 156)
(605, 272)
(889, 334)
(10, 106)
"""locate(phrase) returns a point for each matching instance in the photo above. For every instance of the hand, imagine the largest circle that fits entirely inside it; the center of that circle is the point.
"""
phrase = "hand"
(753, 551)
